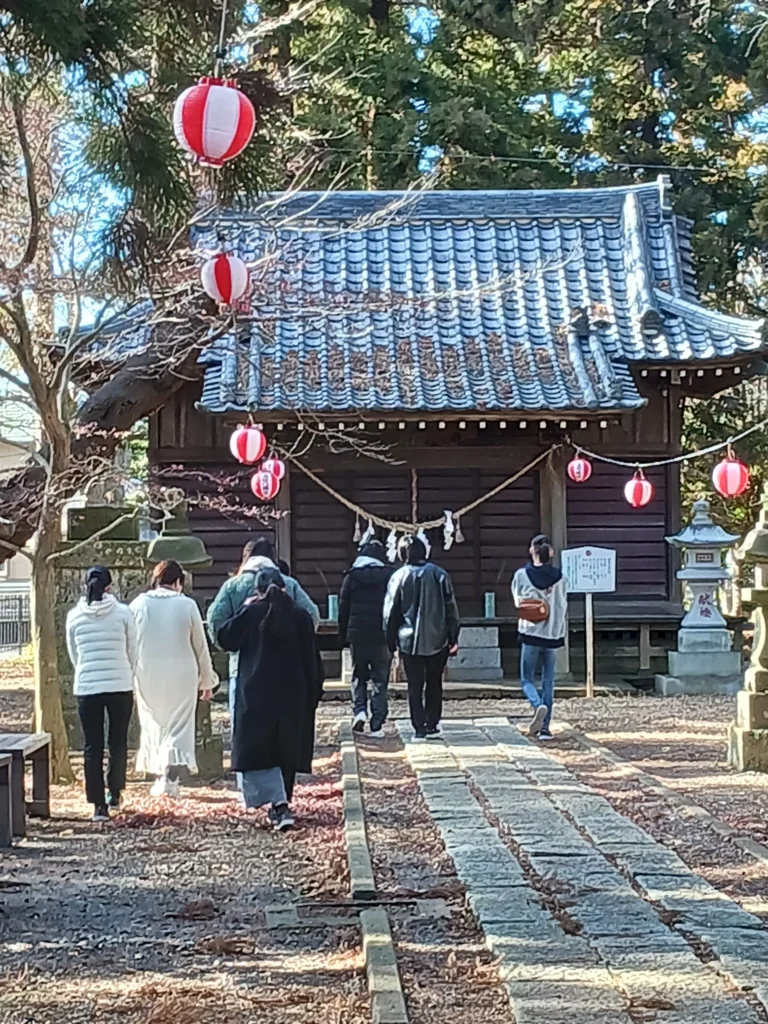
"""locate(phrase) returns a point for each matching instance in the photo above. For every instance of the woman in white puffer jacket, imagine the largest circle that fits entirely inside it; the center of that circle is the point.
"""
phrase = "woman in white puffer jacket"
(101, 640)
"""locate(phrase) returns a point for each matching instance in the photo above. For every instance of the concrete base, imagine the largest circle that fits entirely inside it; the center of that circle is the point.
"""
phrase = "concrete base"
(751, 710)
(700, 686)
(692, 641)
(479, 657)
(725, 665)
(472, 675)
(747, 749)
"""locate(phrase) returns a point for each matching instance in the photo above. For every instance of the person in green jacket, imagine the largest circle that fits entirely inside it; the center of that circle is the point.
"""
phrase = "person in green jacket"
(257, 555)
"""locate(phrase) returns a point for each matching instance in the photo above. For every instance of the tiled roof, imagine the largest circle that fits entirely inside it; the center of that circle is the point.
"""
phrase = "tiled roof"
(461, 300)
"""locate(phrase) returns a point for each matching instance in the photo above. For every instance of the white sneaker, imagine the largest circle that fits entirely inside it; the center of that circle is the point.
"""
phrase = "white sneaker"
(376, 734)
(358, 722)
(537, 722)
(158, 789)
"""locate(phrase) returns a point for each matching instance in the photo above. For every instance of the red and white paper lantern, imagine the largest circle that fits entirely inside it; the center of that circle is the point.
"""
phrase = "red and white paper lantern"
(225, 278)
(730, 477)
(214, 121)
(248, 445)
(274, 466)
(638, 491)
(265, 485)
(579, 469)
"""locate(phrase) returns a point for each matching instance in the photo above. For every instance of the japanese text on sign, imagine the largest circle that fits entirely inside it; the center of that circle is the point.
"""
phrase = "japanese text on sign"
(589, 570)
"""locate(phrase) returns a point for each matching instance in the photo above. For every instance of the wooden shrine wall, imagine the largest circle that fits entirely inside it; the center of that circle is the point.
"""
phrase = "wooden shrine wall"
(599, 515)
(495, 535)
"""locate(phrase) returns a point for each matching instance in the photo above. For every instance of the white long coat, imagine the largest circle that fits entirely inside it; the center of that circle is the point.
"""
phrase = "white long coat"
(173, 663)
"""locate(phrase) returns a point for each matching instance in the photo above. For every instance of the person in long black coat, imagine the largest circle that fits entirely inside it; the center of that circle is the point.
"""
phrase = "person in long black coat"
(279, 685)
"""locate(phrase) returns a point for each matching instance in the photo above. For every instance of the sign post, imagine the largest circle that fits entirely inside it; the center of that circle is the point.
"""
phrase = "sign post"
(589, 571)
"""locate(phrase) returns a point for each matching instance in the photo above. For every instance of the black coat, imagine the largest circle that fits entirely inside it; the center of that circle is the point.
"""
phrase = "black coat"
(361, 603)
(423, 618)
(279, 685)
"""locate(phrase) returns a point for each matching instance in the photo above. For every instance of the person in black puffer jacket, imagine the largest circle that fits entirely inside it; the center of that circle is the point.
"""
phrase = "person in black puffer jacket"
(361, 626)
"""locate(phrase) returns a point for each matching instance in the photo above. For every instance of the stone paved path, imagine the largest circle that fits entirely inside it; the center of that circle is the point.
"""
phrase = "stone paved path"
(593, 921)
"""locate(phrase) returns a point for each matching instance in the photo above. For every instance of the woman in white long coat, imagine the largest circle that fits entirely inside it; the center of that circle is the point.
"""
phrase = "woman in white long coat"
(173, 666)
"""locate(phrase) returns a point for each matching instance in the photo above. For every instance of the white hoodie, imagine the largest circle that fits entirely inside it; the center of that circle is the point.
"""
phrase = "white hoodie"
(101, 640)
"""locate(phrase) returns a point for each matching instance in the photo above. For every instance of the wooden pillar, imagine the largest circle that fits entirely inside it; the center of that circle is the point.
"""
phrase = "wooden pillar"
(283, 524)
(554, 522)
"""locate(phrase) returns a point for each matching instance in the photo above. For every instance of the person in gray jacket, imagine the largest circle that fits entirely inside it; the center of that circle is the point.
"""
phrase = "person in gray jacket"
(421, 618)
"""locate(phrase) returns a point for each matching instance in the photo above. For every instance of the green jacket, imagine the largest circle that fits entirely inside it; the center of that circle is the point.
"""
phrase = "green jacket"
(237, 589)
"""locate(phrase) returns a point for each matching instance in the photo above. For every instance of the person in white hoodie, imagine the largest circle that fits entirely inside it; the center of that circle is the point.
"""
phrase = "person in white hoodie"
(101, 640)
(539, 593)
(173, 667)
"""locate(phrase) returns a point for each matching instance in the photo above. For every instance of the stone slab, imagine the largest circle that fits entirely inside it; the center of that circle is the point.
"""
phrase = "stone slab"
(751, 710)
(699, 686)
(507, 905)
(478, 636)
(362, 884)
(472, 675)
(743, 953)
(747, 749)
(699, 904)
(610, 913)
(705, 664)
(387, 1000)
(694, 641)
(592, 999)
(645, 859)
(578, 874)
(475, 657)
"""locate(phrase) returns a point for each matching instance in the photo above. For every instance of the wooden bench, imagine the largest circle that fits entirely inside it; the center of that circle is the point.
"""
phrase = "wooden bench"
(6, 820)
(36, 749)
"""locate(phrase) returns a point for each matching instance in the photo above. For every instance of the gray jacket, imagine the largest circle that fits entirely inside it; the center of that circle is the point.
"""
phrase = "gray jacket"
(420, 613)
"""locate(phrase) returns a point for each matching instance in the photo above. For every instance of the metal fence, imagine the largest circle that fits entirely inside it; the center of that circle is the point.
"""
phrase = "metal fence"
(14, 621)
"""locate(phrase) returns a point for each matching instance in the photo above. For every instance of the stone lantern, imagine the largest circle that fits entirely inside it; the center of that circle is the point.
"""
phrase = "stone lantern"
(748, 735)
(177, 543)
(704, 661)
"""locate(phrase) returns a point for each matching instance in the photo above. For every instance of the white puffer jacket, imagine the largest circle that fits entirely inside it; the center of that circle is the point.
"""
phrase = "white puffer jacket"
(101, 640)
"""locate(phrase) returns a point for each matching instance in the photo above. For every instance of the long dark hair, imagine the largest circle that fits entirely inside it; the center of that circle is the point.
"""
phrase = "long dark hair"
(542, 547)
(270, 586)
(97, 579)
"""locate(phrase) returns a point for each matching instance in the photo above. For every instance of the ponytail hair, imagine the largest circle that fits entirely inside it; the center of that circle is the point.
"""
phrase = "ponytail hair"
(97, 579)
(542, 548)
(270, 586)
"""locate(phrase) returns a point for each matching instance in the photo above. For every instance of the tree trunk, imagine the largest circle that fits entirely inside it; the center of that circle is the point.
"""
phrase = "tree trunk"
(49, 715)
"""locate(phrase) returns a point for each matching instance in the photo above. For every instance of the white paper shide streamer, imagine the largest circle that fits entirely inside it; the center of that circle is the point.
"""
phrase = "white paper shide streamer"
(449, 530)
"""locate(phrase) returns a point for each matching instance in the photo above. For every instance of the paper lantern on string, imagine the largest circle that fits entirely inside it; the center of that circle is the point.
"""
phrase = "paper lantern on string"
(579, 469)
(730, 477)
(248, 445)
(214, 121)
(225, 278)
(265, 485)
(638, 491)
(274, 466)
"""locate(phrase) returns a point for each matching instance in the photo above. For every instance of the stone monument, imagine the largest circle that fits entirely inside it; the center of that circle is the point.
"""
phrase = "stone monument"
(704, 662)
(748, 735)
(176, 542)
(124, 554)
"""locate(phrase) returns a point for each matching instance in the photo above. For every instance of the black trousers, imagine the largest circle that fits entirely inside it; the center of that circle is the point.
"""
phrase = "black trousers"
(118, 708)
(370, 660)
(425, 688)
(289, 780)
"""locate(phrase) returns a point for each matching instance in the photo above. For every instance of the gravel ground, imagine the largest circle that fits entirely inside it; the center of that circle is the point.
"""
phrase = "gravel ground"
(446, 970)
(159, 916)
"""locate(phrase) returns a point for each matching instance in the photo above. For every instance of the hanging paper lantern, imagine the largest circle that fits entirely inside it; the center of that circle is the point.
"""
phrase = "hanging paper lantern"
(265, 485)
(730, 477)
(579, 469)
(274, 466)
(225, 278)
(214, 121)
(638, 491)
(248, 445)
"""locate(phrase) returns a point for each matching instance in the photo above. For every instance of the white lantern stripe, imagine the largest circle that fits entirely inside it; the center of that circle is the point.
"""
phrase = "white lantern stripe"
(214, 121)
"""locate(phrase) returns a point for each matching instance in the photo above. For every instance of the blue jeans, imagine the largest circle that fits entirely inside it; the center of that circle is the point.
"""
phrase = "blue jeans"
(232, 682)
(531, 657)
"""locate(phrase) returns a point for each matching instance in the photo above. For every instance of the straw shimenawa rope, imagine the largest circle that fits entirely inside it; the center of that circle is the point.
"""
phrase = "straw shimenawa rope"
(429, 524)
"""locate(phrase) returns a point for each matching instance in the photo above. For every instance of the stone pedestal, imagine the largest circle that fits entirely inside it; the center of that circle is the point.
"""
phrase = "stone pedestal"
(704, 662)
(126, 562)
(748, 734)
(479, 657)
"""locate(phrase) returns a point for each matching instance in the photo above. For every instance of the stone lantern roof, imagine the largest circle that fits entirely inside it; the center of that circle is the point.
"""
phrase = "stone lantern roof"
(701, 531)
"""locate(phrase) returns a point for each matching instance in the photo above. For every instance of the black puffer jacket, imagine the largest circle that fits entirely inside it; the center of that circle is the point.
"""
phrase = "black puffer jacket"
(361, 601)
